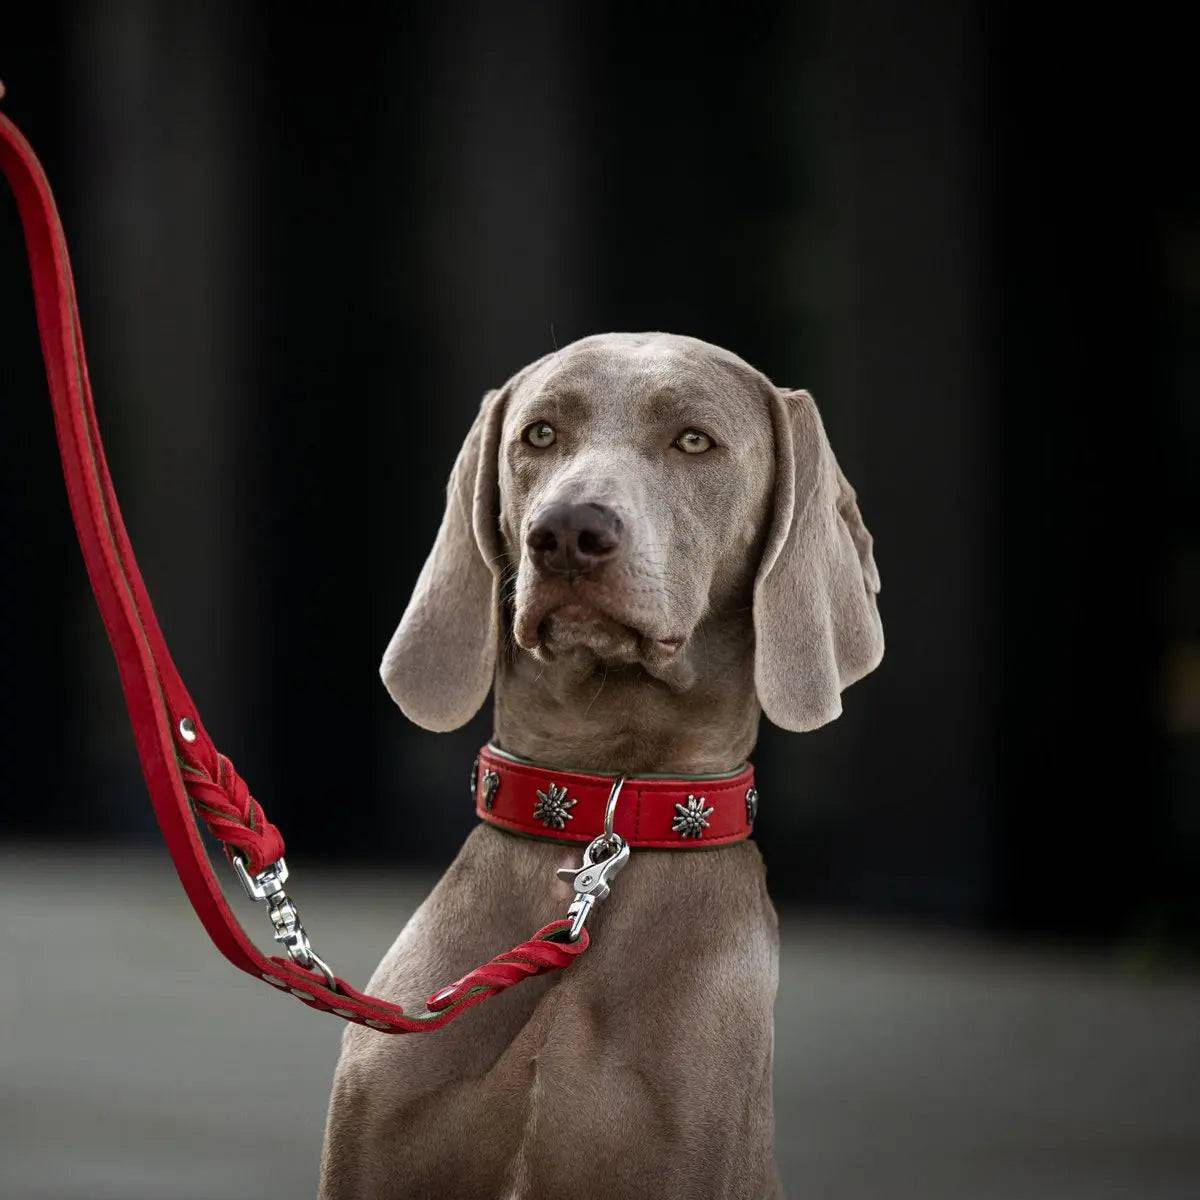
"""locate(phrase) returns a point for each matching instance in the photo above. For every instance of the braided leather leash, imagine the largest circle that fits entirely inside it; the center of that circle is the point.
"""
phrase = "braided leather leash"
(186, 775)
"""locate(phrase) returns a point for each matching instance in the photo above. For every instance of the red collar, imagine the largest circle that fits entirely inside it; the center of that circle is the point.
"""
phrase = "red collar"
(653, 812)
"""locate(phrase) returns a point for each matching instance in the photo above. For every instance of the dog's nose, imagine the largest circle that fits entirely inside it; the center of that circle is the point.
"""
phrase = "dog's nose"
(568, 539)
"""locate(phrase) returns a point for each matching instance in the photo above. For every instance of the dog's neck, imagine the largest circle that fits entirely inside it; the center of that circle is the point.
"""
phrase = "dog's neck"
(577, 713)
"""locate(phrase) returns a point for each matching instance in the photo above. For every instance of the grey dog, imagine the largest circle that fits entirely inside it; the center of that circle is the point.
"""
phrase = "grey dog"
(709, 562)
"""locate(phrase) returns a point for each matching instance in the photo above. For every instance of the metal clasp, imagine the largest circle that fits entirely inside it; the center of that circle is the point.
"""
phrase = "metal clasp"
(603, 861)
(592, 880)
(285, 917)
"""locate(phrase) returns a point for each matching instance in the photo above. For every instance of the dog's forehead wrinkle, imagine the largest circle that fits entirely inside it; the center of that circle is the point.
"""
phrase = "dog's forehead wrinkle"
(611, 364)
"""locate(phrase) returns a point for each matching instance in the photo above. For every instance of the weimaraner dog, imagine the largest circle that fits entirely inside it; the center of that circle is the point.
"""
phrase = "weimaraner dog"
(720, 567)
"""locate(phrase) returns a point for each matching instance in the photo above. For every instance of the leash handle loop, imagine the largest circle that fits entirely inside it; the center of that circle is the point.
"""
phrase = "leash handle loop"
(186, 776)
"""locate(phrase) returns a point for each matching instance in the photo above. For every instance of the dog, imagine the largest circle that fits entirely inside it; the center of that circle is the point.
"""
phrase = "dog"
(645, 544)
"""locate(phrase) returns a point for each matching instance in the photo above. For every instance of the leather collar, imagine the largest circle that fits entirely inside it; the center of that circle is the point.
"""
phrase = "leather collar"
(655, 812)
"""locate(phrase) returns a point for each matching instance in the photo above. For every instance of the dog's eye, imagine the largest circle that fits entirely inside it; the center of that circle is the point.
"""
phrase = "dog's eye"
(692, 441)
(540, 434)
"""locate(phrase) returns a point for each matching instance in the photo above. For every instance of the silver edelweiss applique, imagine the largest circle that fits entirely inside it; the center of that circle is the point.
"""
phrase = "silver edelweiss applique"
(491, 785)
(751, 804)
(553, 807)
(692, 818)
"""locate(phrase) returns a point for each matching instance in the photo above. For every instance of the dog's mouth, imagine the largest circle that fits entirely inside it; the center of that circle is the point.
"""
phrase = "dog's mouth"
(586, 624)
(553, 628)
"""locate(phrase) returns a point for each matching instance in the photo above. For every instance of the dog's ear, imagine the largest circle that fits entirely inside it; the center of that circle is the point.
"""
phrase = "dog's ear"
(816, 621)
(439, 665)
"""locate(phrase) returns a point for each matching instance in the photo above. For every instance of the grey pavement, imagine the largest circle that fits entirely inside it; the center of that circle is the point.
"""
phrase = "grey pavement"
(135, 1064)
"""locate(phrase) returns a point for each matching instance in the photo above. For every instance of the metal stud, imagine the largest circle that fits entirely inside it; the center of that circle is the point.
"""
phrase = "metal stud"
(187, 729)
(751, 804)
(553, 808)
(474, 776)
(273, 981)
(378, 1024)
(691, 819)
(345, 1013)
(491, 785)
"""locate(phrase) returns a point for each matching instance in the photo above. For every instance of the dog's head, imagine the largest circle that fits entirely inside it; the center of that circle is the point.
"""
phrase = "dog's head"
(613, 495)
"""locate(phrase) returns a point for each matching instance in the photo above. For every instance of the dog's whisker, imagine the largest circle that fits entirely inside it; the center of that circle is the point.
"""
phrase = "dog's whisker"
(603, 681)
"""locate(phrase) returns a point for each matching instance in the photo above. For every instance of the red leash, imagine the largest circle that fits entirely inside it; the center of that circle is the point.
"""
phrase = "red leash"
(186, 775)
(189, 778)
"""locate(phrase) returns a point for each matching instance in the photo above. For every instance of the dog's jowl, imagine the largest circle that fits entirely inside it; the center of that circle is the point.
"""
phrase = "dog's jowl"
(646, 543)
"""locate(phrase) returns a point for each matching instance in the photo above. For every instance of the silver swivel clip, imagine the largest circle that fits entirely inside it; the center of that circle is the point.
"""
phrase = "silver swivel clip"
(603, 860)
(593, 880)
(285, 917)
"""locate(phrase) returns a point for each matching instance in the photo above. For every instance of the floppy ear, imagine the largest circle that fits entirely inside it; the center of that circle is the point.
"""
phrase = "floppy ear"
(439, 665)
(816, 622)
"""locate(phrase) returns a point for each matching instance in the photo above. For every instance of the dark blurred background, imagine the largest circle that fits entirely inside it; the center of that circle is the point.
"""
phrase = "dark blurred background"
(306, 245)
